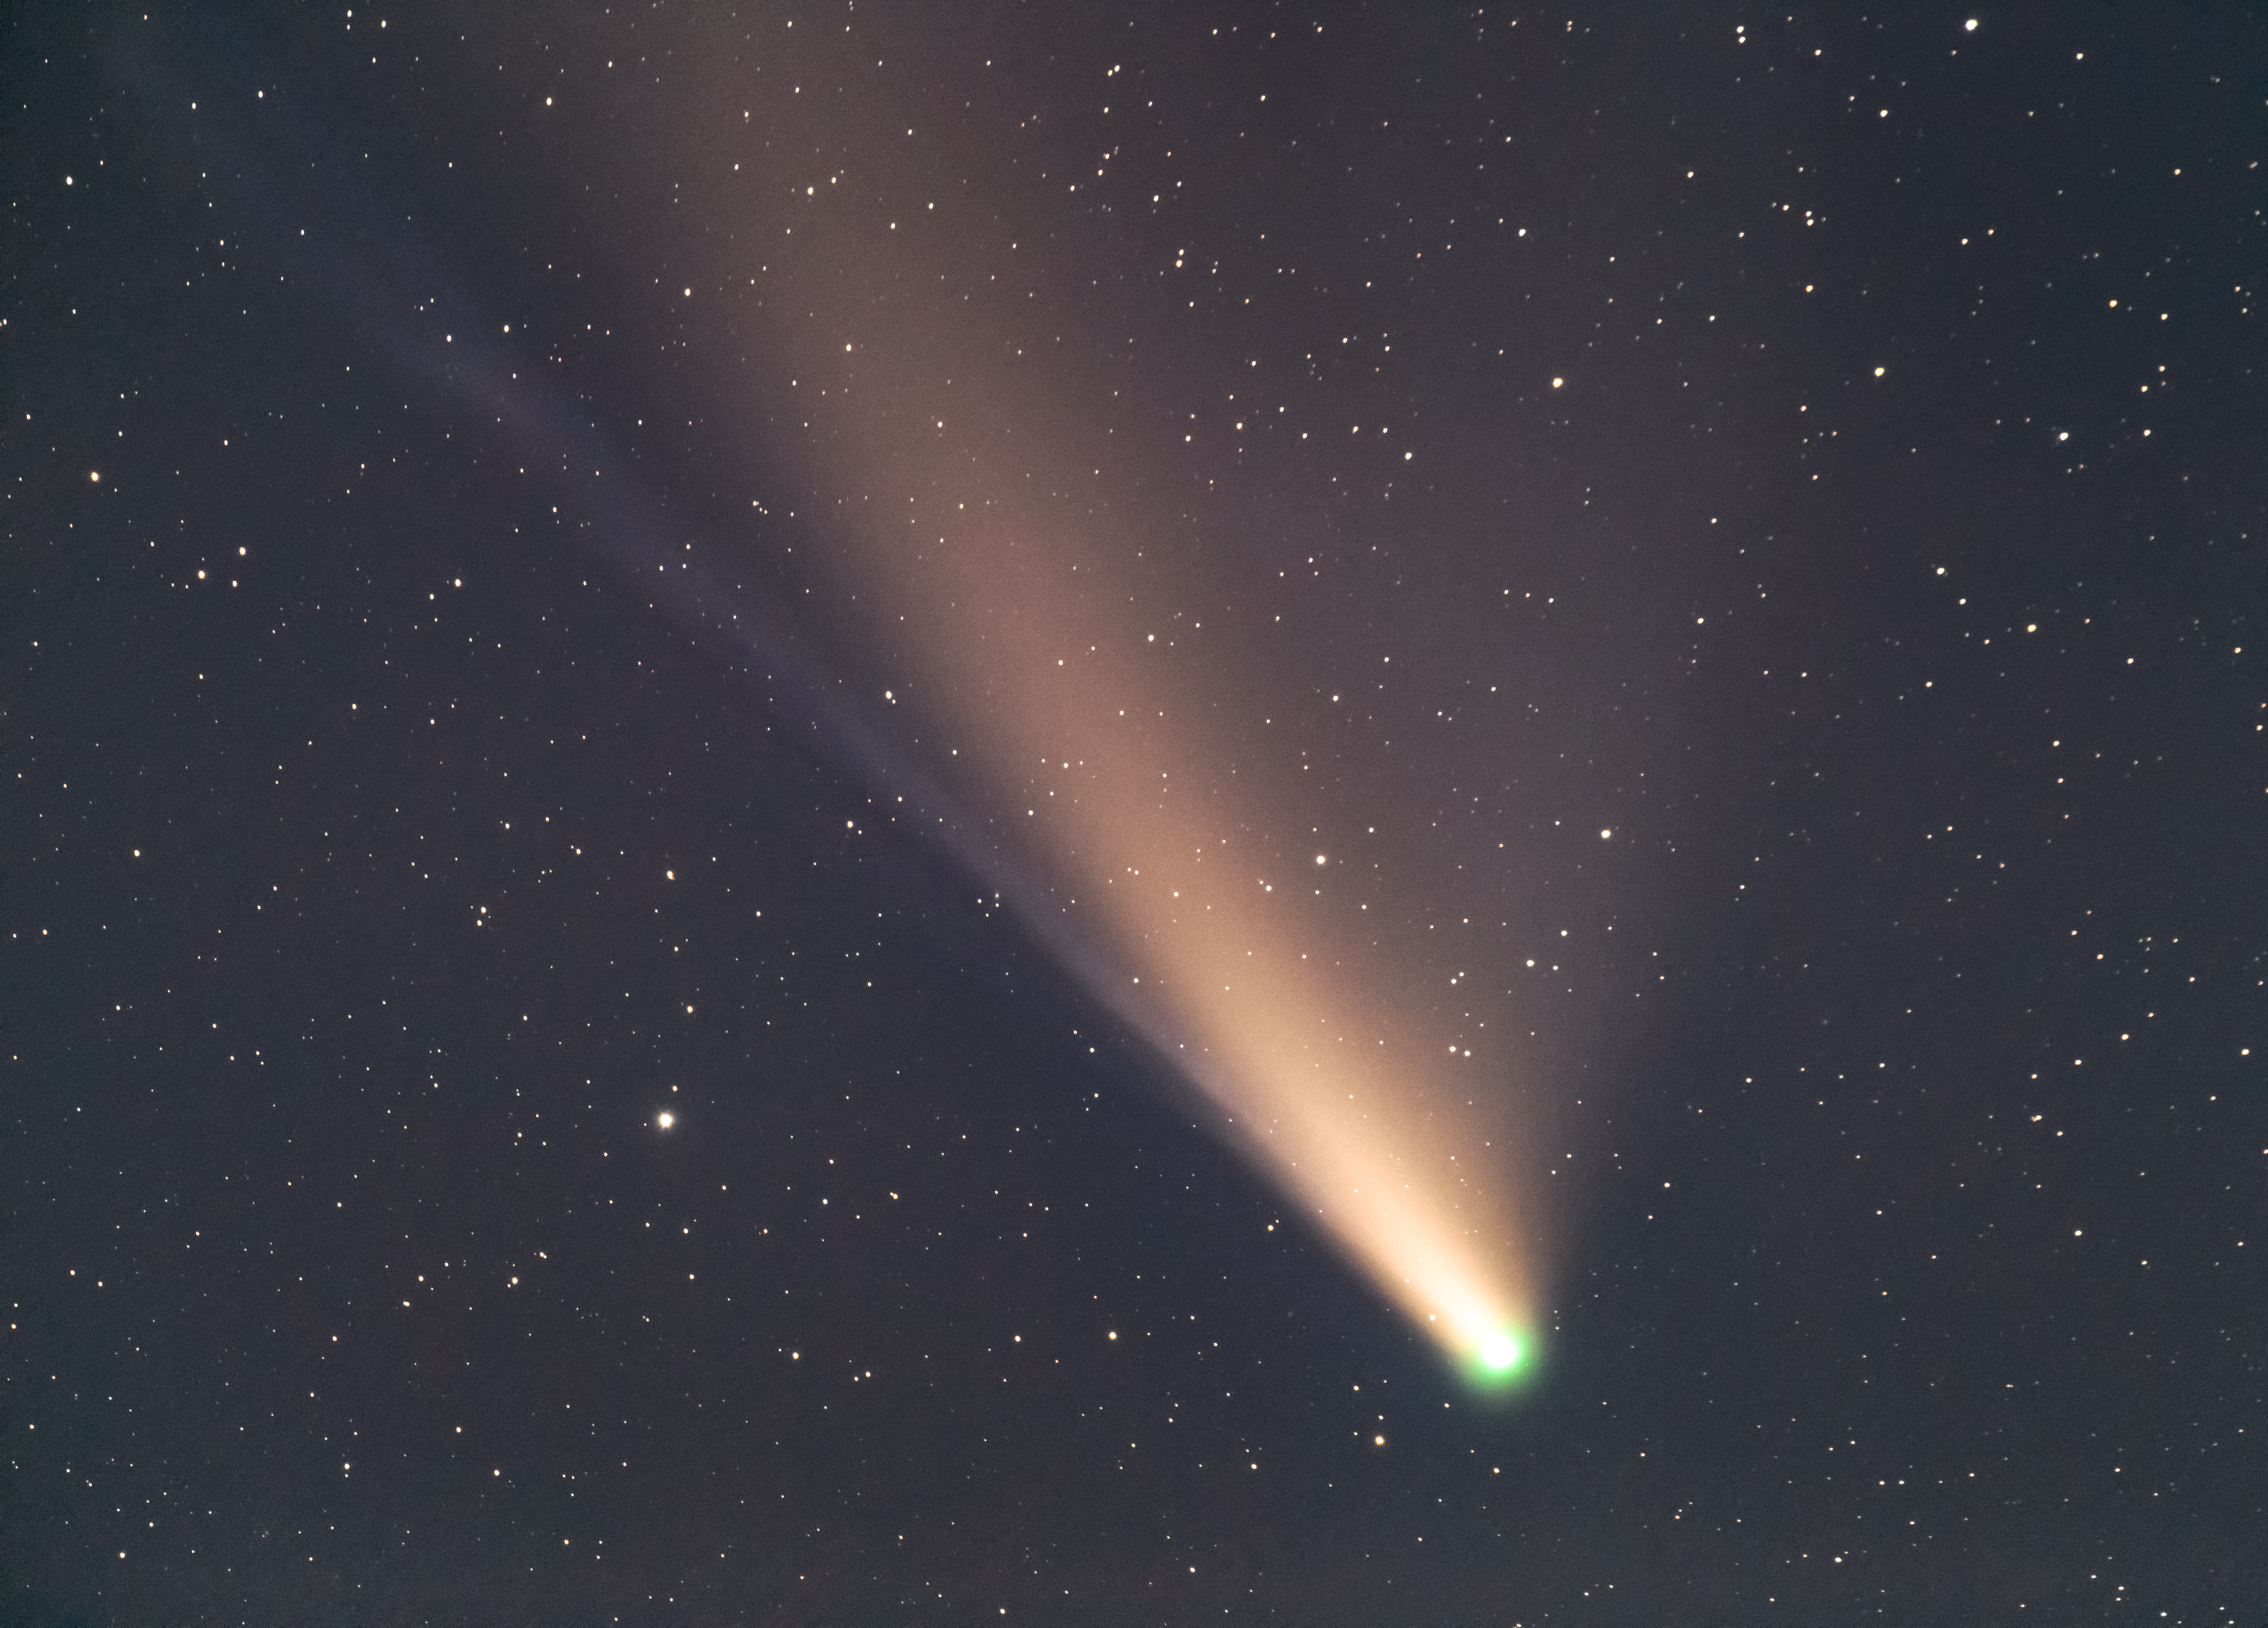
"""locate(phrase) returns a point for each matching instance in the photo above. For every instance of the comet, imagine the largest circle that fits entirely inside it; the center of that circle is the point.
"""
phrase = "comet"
(1108, 727)
(1129, 766)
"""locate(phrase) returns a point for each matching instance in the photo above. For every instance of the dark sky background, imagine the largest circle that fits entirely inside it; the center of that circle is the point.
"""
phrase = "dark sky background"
(1835, 435)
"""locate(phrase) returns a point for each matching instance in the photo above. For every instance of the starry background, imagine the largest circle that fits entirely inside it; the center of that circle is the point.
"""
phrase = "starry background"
(1849, 425)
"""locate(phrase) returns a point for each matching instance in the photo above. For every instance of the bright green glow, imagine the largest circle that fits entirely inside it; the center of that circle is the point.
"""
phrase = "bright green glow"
(1502, 1353)
(1506, 1362)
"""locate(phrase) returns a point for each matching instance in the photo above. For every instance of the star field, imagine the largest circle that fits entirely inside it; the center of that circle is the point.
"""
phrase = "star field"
(656, 654)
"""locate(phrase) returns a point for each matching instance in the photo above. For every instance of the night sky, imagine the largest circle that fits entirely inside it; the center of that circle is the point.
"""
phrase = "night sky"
(581, 1038)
